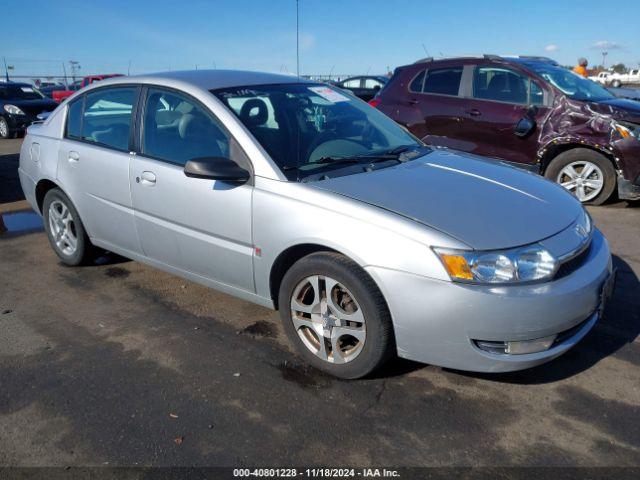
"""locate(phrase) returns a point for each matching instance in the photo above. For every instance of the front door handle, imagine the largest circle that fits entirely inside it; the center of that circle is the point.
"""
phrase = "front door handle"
(74, 157)
(148, 179)
(474, 112)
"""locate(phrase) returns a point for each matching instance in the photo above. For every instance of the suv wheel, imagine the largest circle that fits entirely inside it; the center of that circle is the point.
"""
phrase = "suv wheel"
(587, 174)
(65, 230)
(335, 315)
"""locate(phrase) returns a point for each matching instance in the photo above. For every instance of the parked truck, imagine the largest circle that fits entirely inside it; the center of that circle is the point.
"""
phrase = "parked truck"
(60, 95)
(632, 77)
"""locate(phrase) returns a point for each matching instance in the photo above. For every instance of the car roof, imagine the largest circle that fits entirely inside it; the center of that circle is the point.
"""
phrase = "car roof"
(210, 79)
(15, 84)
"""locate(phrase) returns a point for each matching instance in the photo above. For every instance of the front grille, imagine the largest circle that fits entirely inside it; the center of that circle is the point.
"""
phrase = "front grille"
(571, 265)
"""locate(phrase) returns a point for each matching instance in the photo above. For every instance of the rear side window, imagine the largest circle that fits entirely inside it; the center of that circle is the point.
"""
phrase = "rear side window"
(106, 119)
(443, 81)
(417, 83)
(74, 119)
(503, 85)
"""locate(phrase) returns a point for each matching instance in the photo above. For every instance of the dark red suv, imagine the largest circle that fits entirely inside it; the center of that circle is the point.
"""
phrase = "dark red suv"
(528, 111)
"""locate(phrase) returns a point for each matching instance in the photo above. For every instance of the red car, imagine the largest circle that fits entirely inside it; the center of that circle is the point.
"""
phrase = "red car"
(528, 111)
(60, 95)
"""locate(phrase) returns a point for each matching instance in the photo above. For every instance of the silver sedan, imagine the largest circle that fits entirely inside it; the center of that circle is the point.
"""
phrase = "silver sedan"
(300, 197)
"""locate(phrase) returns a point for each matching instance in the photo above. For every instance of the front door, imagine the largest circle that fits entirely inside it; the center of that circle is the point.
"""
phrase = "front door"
(195, 225)
(93, 165)
(501, 98)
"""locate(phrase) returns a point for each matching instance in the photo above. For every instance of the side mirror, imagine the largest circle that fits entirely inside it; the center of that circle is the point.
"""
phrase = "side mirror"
(377, 88)
(43, 116)
(216, 168)
(525, 126)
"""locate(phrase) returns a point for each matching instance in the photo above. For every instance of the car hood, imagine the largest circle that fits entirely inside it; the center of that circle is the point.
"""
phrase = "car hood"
(623, 108)
(483, 203)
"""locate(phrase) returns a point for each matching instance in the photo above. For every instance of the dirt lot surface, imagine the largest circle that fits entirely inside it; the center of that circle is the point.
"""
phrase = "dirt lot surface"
(120, 364)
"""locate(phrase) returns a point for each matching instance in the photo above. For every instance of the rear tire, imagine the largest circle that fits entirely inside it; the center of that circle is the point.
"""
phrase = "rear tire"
(336, 316)
(65, 230)
(587, 174)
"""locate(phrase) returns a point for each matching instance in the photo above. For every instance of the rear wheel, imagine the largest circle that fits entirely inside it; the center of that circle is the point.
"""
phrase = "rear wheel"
(335, 315)
(616, 84)
(587, 174)
(65, 230)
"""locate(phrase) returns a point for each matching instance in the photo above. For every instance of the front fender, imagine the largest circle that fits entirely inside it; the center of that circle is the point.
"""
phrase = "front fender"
(290, 214)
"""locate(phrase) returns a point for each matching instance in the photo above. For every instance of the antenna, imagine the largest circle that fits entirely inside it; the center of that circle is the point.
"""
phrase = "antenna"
(129, 68)
(425, 50)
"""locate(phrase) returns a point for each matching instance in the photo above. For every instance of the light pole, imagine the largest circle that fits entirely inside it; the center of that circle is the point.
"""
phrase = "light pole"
(297, 39)
(604, 55)
(75, 67)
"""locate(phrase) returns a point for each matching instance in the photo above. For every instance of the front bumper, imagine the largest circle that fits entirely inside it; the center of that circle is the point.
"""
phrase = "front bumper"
(628, 190)
(438, 322)
(19, 123)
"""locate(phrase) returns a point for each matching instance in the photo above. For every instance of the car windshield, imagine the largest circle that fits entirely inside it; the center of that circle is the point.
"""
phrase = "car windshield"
(19, 92)
(308, 128)
(572, 85)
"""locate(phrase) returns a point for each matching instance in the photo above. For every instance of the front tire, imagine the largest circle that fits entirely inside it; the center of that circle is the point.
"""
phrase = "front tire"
(64, 228)
(587, 174)
(335, 315)
(4, 128)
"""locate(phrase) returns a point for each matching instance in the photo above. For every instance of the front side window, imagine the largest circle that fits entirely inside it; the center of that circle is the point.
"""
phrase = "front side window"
(500, 84)
(306, 127)
(106, 118)
(443, 81)
(372, 83)
(176, 129)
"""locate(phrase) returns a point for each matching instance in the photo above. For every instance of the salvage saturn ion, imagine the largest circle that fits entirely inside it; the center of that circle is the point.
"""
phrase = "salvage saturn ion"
(300, 197)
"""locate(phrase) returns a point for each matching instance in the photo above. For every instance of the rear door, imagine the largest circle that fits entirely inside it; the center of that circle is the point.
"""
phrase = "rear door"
(435, 94)
(500, 97)
(196, 225)
(93, 164)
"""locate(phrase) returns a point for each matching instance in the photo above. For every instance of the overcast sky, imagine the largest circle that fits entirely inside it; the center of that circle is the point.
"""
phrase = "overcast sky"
(348, 36)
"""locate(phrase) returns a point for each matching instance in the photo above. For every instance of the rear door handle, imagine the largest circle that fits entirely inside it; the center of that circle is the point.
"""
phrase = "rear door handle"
(412, 102)
(474, 112)
(148, 179)
(74, 157)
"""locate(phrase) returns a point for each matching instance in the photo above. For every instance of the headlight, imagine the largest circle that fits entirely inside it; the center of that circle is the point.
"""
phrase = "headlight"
(626, 129)
(13, 110)
(526, 264)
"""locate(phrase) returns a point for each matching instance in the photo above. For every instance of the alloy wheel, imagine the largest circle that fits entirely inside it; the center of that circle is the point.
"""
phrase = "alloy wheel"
(4, 128)
(584, 179)
(328, 319)
(63, 228)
